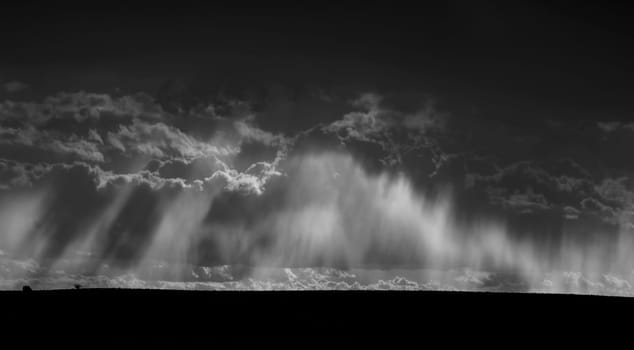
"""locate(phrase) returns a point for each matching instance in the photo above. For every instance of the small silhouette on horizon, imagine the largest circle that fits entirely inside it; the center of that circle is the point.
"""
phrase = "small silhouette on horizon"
(77, 286)
(26, 288)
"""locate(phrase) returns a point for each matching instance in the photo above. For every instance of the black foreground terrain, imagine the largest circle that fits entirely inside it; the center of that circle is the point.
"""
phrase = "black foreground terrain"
(124, 316)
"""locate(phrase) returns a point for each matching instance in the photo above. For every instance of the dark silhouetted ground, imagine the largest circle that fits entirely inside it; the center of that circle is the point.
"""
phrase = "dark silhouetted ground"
(300, 318)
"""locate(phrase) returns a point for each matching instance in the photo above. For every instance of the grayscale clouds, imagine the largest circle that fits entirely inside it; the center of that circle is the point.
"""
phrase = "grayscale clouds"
(382, 181)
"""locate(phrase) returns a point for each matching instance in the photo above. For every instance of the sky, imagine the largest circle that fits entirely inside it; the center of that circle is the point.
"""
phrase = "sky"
(459, 145)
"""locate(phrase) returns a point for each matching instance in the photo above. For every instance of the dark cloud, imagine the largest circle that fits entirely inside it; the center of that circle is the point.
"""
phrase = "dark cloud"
(81, 107)
(526, 184)
(611, 126)
(14, 174)
(15, 86)
(396, 132)
(571, 213)
(197, 169)
(52, 142)
(524, 202)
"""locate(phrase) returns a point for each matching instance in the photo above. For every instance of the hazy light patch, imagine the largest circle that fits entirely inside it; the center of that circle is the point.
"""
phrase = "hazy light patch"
(356, 219)
(180, 225)
(19, 214)
(84, 250)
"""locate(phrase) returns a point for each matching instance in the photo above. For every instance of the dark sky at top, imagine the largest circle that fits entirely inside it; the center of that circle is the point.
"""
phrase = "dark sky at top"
(528, 58)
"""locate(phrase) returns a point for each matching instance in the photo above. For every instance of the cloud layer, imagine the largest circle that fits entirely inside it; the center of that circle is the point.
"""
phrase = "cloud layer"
(119, 183)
